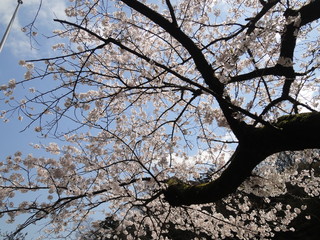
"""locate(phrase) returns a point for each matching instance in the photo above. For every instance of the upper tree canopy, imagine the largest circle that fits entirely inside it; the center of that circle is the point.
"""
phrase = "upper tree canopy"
(148, 95)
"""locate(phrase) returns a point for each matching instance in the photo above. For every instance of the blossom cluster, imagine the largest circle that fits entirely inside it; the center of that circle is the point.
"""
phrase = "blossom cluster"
(130, 108)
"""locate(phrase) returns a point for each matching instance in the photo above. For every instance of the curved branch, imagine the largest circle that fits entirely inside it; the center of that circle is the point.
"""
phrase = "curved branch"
(301, 17)
(309, 12)
(296, 132)
(201, 63)
(173, 16)
(139, 55)
(266, 7)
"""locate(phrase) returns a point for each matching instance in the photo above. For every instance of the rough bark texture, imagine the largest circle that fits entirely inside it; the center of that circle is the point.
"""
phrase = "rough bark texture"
(294, 132)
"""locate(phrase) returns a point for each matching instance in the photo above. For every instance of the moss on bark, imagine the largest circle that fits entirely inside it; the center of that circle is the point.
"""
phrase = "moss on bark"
(292, 132)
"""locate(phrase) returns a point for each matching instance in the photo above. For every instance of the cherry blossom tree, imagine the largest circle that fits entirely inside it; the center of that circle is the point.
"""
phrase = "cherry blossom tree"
(144, 98)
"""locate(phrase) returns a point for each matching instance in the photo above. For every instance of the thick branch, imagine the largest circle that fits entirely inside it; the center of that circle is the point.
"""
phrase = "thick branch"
(277, 70)
(304, 15)
(295, 132)
(266, 7)
(201, 63)
(132, 51)
(199, 59)
(310, 12)
(173, 16)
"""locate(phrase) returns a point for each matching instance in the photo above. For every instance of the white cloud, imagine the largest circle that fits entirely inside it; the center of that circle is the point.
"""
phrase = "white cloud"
(57, 9)
(309, 96)
(6, 10)
(18, 42)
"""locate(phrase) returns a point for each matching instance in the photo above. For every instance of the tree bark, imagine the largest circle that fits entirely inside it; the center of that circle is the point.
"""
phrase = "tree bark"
(294, 132)
(290, 133)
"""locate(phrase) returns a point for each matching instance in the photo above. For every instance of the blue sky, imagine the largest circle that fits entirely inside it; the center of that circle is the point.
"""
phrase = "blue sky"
(18, 47)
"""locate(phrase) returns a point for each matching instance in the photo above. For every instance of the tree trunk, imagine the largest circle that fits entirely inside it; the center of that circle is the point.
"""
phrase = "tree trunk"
(290, 133)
